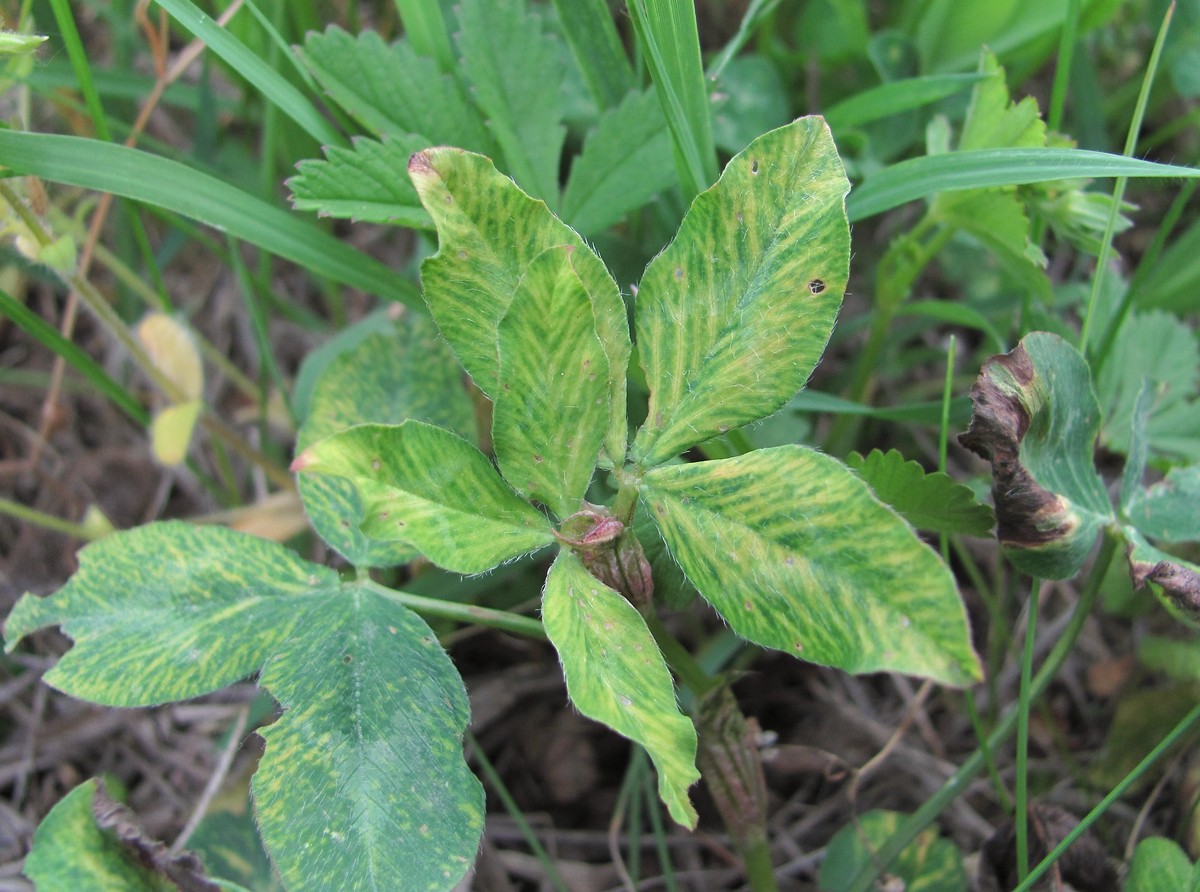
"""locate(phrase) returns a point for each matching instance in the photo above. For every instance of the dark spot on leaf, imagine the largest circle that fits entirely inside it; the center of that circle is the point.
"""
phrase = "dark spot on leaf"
(754, 167)
(816, 286)
(375, 464)
(679, 272)
(537, 459)
(347, 659)
(384, 515)
(463, 255)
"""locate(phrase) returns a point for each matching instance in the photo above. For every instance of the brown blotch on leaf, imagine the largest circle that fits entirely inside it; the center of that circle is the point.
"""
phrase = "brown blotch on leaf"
(1180, 584)
(184, 870)
(816, 286)
(418, 162)
(1027, 515)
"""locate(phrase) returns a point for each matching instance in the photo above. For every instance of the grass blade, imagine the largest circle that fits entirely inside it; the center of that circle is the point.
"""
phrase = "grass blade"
(425, 27)
(269, 82)
(895, 97)
(667, 32)
(930, 174)
(141, 176)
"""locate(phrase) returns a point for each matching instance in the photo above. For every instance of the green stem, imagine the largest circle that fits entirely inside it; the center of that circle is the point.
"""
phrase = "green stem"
(464, 613)
(48, 521)
(864, 880)
(760, 870)
(1021, 816)
(680, 659)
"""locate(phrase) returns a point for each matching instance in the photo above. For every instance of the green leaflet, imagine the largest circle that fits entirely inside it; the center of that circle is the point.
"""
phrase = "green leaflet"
(796, 553)
(734, 314)
(616, 675)
(71, 852)
(1168, 510)
(489, 231)
(361, 183)
(425, 486)
(403, 370)
(151, 612)
(367, 756)
(516, 71)
(363, 784)
(928, 864)
(1160, 865)
(930, 501)
(391, 90)
(1036, 420)
(625, 162)
(552, 403)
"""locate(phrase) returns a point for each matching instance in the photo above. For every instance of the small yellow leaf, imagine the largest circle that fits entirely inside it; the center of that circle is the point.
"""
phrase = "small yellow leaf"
(171, 432)
(174, 352)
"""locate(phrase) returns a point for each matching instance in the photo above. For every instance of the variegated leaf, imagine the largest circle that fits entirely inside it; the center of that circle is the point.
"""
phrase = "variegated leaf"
(552, 403)
(796, 553)
(616, 675)
(732, 317)
(489, 231)
(426, 486)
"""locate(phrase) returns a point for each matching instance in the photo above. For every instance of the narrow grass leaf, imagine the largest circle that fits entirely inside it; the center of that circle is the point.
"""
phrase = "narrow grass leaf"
(425, 26)
(168, 184)
(273, 85)
(895, 97)
(391, 90)
(625, 161)
(363, 784)
(152, 612)
(979, 168)
(930, 501)
(360, 183)
(552, 406)
(428, 487)
(489, 231)
(667, 34)
(401, 370)
(616, 675)
(734, 314)
(1173, 282)
(517, 74)
(795, 553)
(1036, 420)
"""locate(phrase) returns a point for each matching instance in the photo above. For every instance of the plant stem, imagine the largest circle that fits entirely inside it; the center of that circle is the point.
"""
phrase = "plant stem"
(48, 521)
(465, 613)
(864, 880)
(760, 870)
(1021, 816)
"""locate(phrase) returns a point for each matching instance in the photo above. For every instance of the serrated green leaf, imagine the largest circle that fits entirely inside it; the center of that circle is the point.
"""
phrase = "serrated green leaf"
(1036, 420)
(363, 784)
(150, 611)
(930, 501)
(626, 160)
(1170, 509)
(71, 852)
(1159, 347)
(361, 183)
(616, 675)
(403, 370)
(1160, 865)
(428, 487)
(928, 864)
(796, 554)
(552, 406)
(734, 314)
(516, 72)
(389, 89)
(489, 231)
